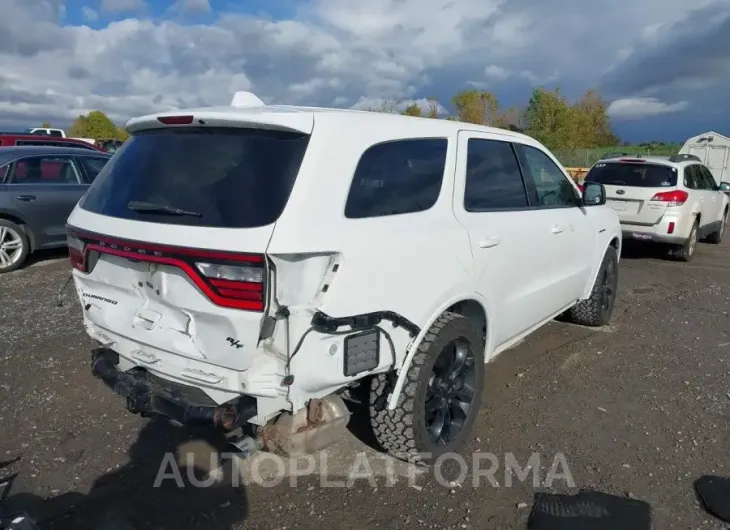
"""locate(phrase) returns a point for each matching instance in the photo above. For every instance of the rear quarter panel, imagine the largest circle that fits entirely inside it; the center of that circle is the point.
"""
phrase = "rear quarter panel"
(409, 263)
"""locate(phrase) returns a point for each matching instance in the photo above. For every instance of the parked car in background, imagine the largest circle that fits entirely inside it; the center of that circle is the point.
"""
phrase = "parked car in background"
(672, 200)
(222, 290)
(110, 146)
(9, 139)
(39, 187)
(56, 133)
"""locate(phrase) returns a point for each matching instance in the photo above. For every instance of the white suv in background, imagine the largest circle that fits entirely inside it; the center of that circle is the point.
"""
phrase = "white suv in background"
(248, 265)
(671, 200)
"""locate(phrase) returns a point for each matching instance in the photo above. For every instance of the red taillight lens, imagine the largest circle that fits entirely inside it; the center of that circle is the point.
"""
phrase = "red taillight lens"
(672, 198)
(76, 252)
(238, 282)
(670, 229)
(228, 279)
(176, 120)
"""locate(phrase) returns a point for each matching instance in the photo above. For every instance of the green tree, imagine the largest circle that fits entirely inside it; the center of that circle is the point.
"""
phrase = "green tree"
(592, 112)
(46, 125)
(95, 125)
(413, 110)
(476, 106)
(550, 120)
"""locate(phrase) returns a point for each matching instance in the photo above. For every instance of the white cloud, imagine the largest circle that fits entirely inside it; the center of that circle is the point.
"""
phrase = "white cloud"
(89, 14)
(118, 6)
(496, 72)
(334, 52)
(638, 108)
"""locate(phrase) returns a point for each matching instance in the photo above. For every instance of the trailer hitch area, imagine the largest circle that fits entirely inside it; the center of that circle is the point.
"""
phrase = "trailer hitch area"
(148, 399)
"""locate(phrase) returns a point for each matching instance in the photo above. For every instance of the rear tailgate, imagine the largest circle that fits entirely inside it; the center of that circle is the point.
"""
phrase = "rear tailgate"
(169, 242)
(631, 185)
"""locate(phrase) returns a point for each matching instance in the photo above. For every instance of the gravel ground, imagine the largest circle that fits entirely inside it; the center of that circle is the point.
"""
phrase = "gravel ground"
(638, 409)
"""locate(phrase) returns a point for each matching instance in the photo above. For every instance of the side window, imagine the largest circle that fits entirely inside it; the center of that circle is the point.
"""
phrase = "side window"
(690, 178)
(92, 165)
(397, 177)
(552, 186)
(712, 183)
(702, 183)
(493, 177)
(44, 170)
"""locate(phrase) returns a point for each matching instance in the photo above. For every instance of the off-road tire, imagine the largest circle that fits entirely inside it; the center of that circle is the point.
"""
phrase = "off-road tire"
(716, 237)
(591, 311)
(686, 251)
(25, 248)
(402, 431)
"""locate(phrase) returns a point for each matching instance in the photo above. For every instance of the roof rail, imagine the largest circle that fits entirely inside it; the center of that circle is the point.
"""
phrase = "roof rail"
(244, 99)
(683, 157)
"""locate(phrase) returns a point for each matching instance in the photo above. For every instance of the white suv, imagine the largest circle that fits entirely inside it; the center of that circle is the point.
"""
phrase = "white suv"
(671, 200)
(247, 266)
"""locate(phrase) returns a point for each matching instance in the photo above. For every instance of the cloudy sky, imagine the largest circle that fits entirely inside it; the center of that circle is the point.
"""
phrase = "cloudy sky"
(663, 64)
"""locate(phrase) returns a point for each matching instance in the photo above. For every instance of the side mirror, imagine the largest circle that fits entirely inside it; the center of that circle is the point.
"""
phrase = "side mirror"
(594, 194)
(724, 186)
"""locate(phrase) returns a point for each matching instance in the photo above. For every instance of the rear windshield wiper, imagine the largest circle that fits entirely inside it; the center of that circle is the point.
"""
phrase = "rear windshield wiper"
(152, 207)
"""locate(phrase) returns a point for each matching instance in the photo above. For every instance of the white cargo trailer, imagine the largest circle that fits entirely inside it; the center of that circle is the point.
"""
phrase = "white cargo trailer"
(713, 150)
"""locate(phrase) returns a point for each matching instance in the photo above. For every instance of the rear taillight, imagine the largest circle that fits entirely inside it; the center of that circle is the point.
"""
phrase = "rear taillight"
(228, 279)
(76, 252)
(672, 198)
(244, 283)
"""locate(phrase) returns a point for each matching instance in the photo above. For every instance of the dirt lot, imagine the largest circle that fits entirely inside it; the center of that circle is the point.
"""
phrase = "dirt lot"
(639, 409)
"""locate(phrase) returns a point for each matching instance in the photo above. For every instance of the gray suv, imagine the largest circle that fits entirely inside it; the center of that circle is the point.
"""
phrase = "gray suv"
(39, 186)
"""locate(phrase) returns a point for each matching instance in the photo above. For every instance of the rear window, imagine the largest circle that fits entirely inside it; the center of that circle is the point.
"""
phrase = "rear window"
(639, 174)
(231, 178)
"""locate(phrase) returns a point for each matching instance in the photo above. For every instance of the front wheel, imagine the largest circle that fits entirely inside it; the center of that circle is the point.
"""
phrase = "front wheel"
(441, 396)
(597, 309)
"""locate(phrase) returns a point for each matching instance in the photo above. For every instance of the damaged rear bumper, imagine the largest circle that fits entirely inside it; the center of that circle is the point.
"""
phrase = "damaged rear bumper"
(145, 396)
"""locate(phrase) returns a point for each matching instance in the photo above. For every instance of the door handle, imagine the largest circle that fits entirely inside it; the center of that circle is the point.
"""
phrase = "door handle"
(26, 198)
(557, 229)
(490, 242)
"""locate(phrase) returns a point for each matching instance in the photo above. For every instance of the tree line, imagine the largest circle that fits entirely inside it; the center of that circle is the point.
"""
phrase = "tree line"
(548, 116)
(96, 125)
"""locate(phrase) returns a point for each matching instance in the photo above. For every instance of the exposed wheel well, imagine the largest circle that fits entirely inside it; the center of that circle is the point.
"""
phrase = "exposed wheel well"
(474, 311)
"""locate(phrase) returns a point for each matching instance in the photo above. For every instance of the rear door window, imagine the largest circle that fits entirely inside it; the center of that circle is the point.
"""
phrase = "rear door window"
(44, 170)
(92, 166)
(230, 177)
(397, 177)
(638, 174)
